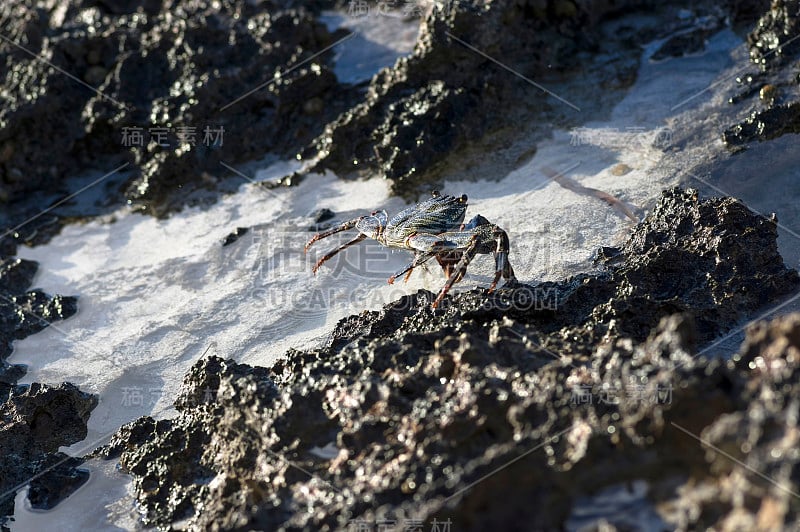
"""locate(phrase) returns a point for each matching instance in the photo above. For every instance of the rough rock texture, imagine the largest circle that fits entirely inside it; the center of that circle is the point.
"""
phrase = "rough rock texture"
(196, 64)
(24, 312)
(34, 423)
(768, 124)
(756, 486)
(773, 46)
(158, 65)
(492, 411)
(35, 420)
(448, 93)
(773, 39)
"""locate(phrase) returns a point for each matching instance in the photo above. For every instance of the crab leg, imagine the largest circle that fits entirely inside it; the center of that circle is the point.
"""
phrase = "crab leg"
(419, 259)
(338, 229)
(333, 252)
(427, 243)
(447, 261)
(460, 270)
(427, 246)
(502, 266)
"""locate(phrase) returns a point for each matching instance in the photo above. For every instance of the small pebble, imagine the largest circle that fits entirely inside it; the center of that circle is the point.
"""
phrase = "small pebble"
(768, 93)
(233, 237)
(620, 169)
(322, 215)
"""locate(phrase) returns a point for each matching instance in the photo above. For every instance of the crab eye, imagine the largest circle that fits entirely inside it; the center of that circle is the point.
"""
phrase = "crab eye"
(435, 193)
(463, 198)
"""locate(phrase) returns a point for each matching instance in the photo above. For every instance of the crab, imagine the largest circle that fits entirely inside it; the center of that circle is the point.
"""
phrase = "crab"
(433, 228)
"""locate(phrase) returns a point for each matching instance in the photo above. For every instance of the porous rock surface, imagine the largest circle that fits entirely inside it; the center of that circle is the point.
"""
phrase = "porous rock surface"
(499, 410)
(24, 312)
(83, 78)
(171, 65)
(37, 419)
(34, 422)
(774, 47)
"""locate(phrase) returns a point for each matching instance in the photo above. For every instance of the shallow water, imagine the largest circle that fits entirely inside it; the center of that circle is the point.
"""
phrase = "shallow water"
(381, 36)
(155, 295)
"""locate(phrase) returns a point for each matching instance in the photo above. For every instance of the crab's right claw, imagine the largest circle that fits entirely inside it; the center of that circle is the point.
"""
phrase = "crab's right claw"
(338, 229)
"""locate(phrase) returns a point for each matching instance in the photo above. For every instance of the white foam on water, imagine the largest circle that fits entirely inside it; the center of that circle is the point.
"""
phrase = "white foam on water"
(382, 36)
(107, 493)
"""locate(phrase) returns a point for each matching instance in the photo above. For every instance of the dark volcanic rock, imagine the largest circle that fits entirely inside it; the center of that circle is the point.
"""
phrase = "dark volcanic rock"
(61, 476)
(235, 235)
(495, 410)
(773, 40)
(34, 423)
(445, 95)
(759, 492)
(36, 420)
(179, 66)
(184, 89)
(773, 44)
(451, 93)
(24, 312)
(765, 125)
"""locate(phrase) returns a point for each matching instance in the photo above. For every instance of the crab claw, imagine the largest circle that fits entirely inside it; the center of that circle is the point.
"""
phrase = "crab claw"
(391, 279)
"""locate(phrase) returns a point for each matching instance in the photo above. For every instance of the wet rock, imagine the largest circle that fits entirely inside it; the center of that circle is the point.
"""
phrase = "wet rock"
(493, 411)
(322, 215)
(8, 247)
(37, 421)
(180, 90)
(10, 374)
(431, 104)
(765, 125)
(772, 47)
(450, 93)
(211, 386)
(772, 40)
(323, 219)
(164, 86)
(16, 275)
(60, 478)
(758, 491)
(24, 312)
